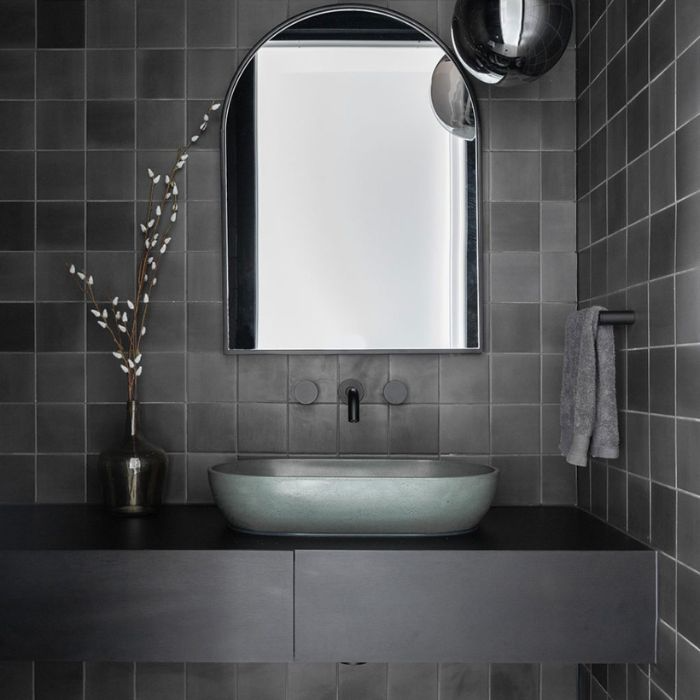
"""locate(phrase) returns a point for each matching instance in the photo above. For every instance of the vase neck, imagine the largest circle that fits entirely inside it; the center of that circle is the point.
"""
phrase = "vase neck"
(132, 418)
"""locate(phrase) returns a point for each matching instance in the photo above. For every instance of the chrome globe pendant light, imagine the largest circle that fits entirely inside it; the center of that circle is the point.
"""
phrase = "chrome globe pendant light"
(506, 42)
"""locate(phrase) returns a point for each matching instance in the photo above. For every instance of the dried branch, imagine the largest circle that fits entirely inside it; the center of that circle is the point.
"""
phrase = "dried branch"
(126, 332)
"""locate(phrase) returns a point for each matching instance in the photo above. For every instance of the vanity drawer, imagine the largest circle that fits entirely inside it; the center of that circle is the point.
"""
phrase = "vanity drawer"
(146, 605)
(476, 606)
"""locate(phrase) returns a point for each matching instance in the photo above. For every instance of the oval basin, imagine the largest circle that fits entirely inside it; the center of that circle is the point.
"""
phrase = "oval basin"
(424, 497)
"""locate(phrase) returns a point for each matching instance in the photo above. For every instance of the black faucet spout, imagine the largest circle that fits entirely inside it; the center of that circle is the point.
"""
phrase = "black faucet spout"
(353, 396)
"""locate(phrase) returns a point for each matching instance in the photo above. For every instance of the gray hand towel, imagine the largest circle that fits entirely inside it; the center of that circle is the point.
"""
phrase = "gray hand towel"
(588, 406)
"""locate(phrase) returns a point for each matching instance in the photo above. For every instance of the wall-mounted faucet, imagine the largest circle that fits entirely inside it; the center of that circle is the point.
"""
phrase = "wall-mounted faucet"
(353, 396)
(352, 392)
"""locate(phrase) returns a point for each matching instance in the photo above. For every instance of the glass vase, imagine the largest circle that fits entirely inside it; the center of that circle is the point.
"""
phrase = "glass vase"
(133, 474)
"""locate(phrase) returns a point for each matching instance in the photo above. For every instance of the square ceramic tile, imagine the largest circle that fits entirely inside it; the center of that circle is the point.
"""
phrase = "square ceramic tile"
(460, 680)
(258, 681)
(413, 429)
(16, 679)
(313, 429)
(160, 681)
(108, 680)
(18, 482)
(311, 681)
(412, 681)
(58, 680)
(262, 427)
(206, 681)
(110, 23)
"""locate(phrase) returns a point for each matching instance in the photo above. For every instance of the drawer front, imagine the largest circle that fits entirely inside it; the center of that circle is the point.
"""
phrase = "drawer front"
(147, 606)
(494, 606)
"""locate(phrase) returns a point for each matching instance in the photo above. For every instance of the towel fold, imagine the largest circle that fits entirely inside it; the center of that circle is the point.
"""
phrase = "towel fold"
(588, 416)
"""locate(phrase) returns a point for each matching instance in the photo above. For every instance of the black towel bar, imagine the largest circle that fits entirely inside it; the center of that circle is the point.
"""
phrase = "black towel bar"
(608, 318)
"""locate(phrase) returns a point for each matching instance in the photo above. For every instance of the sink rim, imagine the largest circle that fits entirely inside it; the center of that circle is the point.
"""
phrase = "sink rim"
(354, 468)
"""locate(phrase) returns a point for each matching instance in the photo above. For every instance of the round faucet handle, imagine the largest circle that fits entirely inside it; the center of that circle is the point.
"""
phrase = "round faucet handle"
(305, 391)
(395, 392)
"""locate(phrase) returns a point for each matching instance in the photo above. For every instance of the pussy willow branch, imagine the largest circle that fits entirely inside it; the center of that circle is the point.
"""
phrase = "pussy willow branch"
(156, 255)
(87, 289)
(142, 264)
(149, 252)
(154, 247)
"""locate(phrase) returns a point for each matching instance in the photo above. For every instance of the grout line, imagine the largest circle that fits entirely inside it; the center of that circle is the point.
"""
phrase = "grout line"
(34, 263)
(84, 255)
(185, 242)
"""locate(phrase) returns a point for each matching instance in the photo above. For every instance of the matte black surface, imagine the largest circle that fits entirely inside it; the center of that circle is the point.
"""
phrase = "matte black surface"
(351, 26)
(353, 396)
(78, 527)
(146, 606)
(241, 248)
(486, 606)
(610, 318)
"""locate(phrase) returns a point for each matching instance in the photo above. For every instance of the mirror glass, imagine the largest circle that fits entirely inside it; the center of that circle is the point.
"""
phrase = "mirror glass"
(350, 202)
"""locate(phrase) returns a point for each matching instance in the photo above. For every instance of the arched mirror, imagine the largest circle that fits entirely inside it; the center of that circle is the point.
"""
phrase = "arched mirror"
(351, 201)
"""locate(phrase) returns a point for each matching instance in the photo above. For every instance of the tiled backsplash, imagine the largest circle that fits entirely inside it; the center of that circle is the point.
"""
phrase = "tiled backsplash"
(92, 92)
(111, 89)
(639, 199)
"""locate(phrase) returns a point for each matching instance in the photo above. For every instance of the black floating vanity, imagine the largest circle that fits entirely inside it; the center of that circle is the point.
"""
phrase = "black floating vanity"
(533, 584)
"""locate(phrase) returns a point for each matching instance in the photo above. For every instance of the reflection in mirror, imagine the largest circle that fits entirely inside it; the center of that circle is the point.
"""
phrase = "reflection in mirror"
(451, 100)
(350, 208)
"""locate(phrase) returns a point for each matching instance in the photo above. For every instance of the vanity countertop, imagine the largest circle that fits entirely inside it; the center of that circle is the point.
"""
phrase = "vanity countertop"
(202, 527)
(550, 584)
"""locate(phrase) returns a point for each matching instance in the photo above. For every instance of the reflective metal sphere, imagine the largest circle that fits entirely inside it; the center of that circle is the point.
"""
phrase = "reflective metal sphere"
(451, 101)
(506, 42)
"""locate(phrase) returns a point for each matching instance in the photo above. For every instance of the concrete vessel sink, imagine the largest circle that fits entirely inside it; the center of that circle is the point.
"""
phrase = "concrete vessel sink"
(379, 497)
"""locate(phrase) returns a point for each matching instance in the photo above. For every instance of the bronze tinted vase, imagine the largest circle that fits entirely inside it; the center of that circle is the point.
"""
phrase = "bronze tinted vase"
(133, 474)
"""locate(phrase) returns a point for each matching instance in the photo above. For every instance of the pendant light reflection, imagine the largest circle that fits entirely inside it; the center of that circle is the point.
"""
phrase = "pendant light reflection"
(451, 102)
(506, 42)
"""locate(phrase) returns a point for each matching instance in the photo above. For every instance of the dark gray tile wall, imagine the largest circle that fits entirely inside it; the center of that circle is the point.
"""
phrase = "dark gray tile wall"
(92, 92)
(651, 125)
(95, 94)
